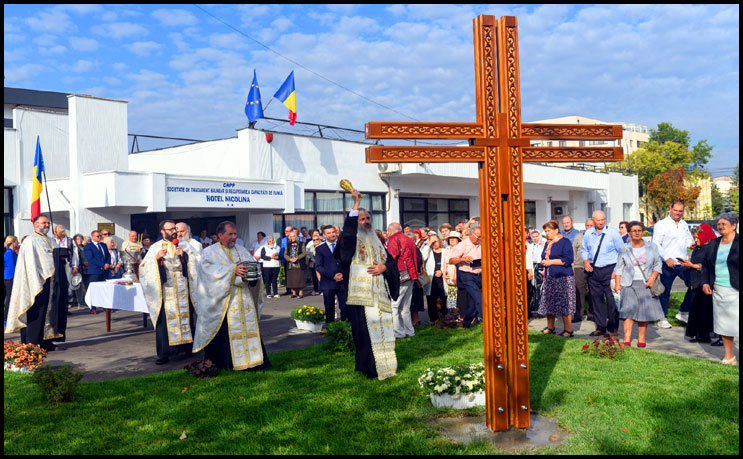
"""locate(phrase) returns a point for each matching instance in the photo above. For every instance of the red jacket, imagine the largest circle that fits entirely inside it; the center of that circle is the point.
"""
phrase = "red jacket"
(398, 243)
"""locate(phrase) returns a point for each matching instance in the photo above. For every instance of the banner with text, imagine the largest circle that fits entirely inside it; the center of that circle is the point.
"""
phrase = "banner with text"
(224, 194)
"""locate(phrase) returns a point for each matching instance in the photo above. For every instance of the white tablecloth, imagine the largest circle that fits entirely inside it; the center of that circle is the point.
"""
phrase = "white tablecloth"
(115, 296)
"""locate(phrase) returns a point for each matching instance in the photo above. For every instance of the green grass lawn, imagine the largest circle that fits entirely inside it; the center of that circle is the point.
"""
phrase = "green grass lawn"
(311, 402)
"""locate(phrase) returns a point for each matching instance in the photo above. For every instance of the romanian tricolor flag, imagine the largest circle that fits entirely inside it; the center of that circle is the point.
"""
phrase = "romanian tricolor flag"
(288, 97)
(36, 185)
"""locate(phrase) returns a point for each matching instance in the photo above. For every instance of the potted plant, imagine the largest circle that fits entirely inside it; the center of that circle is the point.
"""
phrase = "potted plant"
(24, 358)
(460, 386)
(309, 318)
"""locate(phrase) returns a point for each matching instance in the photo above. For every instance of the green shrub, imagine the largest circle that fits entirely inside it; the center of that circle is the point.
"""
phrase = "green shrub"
(339, 337)
(58, 384)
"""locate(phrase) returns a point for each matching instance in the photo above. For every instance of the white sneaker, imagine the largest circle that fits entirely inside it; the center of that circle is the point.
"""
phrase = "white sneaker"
(683, 317)
(277, 296)
(268, 296)
(663, 324)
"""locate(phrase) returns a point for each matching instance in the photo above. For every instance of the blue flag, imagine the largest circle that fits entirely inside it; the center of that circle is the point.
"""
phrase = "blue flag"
(254, 107)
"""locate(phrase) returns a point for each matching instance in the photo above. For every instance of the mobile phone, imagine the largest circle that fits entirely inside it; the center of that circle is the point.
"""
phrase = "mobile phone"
(476, 263)
(680, 259)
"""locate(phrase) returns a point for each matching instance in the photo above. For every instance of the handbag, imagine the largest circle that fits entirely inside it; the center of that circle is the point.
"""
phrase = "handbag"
(658, 288)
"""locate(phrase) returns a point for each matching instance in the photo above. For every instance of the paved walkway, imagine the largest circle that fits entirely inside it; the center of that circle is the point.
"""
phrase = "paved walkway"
(129, 349)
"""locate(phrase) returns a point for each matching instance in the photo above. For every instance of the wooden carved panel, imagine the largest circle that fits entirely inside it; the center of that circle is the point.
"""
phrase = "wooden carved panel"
(425, 154)
(572, 154)
(571, 131)
(423, 130)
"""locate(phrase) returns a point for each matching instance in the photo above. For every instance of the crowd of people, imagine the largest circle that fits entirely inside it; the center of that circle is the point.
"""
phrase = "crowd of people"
(622, 275)
(626, 277)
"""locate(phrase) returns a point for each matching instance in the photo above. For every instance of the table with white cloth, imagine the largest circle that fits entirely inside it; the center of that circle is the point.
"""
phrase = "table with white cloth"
(117, 296)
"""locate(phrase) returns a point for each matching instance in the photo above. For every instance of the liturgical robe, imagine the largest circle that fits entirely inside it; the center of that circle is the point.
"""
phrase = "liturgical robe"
(168, 295)
(31, 299)
(368, 302)
(228, 311)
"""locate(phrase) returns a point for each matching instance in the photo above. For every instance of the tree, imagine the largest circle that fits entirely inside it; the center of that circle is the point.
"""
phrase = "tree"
(734, 178)
(667, 149)
(734, 191)
(735, 199)
(718, 201)
(667, 133)
(668, 187)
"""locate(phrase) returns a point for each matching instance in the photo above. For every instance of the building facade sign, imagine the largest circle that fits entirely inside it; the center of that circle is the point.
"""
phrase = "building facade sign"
(224, 194)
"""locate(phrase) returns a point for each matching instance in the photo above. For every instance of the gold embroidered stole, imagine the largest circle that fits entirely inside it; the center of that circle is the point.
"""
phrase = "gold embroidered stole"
(371, 292)
(34, 266)
(242, 322)
(173, 294)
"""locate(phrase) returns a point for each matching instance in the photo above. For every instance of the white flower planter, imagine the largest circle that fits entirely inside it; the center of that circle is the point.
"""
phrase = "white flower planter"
(462, 402)
(309, 326)
(22, 369)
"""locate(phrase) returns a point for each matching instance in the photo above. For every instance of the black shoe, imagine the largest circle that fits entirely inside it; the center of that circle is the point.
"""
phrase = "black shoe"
(577, 320)
(717, 343)
(162, 361)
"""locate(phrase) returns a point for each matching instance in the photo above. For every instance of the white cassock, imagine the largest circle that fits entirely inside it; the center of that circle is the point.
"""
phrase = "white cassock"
(173, 293)
(222, 295)
(34, 266)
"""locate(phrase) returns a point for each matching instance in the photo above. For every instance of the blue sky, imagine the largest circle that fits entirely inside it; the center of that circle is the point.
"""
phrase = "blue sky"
(186, 74)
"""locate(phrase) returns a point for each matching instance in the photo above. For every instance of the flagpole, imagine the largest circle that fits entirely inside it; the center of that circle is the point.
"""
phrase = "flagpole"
(269, 103)
(46, 187)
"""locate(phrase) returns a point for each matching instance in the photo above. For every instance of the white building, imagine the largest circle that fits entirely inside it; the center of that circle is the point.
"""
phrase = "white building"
(633, 135)
(262, 185)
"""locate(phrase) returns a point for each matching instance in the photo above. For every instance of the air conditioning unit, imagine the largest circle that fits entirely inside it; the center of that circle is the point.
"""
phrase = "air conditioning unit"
(560, 210)
(388, 167)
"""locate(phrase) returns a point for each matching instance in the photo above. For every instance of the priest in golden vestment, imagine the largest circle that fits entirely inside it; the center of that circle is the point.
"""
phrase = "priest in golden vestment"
(164, 276)
(229, 306)
(373, 282)
(31, 307)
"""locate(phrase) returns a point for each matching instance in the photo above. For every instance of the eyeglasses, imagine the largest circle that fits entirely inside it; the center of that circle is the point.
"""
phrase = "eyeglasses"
(105, 234)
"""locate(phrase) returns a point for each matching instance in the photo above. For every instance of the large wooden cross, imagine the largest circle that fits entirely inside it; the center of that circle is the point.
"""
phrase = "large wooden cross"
(500, 143)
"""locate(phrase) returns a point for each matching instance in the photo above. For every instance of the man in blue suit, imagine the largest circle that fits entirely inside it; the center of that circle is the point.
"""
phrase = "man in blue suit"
(99, 260)
(331, 276)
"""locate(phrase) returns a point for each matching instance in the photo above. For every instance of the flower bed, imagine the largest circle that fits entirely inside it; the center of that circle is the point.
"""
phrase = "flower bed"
(23, 357)
(460, 386)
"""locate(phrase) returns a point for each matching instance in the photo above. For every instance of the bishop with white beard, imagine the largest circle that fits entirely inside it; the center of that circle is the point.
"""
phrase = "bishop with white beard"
(373, 282)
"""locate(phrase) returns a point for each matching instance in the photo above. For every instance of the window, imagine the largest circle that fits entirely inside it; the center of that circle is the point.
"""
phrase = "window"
(433, 212)
(330, 208)
(8, 212)
(530, 211)
(627, 212)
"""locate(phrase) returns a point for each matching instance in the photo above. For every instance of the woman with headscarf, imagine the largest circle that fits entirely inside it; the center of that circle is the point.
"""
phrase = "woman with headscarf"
(721, 279)
(699, 326)
(296, 265)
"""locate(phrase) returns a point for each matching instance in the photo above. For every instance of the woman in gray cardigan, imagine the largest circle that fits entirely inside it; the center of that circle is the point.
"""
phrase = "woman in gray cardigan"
(637, 269)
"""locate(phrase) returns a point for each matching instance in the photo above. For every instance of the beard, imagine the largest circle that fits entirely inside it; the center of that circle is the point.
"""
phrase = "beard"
(368, 236)
(44, 231)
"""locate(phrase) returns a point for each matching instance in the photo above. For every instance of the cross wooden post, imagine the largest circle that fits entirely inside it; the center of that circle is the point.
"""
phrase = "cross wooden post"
(499, 142)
